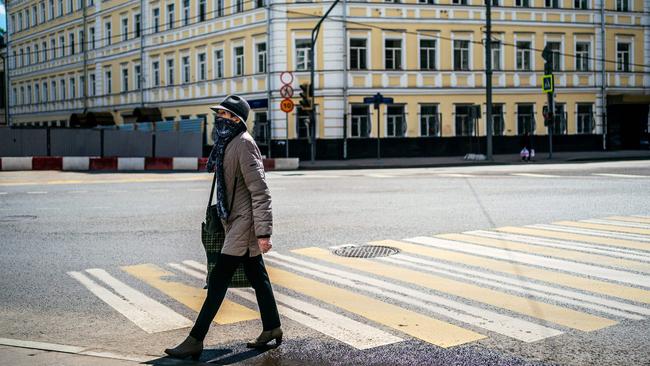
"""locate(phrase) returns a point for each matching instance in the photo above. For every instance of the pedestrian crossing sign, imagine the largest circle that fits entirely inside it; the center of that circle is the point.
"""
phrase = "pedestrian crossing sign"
(547, 83)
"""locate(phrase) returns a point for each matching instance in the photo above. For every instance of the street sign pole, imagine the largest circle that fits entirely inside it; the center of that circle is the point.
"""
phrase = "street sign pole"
(378, 139)
(488, 78)
(286, 142)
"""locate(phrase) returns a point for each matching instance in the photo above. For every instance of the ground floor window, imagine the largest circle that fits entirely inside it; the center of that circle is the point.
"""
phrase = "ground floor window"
(464, 124)
(498, 124)
(559, 119)
(395, 121)
(261, 128)
(360, 121)
(585, 118)
(429, 120)
(302, 124)
(525, 118)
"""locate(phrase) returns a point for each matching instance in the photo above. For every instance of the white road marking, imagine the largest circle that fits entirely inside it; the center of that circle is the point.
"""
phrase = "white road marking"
(117, 191)
(512, 327)
(521, 286)
(536, 260)
(78, 191)
(618, 223)
(198, 189)
(593, 232)
(565, 244)
(2, 193)
(40, 345)
(342, 328)
(158, 190)
(376, 175)
(148, 314)
(620, 175)
(533, 175)
(36, 192)
(455, 175)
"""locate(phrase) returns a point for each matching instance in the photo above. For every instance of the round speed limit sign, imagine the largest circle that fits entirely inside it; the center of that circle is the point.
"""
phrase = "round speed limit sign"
(286, 105)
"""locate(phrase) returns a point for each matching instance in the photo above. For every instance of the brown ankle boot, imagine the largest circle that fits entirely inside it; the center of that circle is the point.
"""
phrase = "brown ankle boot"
(266, 337)
(191, 347)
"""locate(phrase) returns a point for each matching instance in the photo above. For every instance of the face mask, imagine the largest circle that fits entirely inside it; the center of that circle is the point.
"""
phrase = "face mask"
(223, 127)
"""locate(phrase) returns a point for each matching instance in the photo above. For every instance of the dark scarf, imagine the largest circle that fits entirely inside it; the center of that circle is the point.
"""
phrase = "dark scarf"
(223, 132)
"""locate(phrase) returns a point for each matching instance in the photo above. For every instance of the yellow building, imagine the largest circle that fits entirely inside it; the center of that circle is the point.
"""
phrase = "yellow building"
(182, 56)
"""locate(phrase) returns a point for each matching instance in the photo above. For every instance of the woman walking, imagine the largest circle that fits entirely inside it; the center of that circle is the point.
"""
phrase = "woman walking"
(244, 206)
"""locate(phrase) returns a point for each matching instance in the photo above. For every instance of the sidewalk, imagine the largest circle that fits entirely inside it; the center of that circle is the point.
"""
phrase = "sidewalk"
(422, 162)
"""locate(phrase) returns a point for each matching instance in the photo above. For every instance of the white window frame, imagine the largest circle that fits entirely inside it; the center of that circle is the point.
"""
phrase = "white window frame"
(358, 50)
(155, 19)
(261, 57)
(137, 76)
(302, 52)
(219, 68)
(108, 32)
(436, 52)
(235, 59)
(401, 51)
(124, 78)
(124, 28)
(588, 42)
(169, 71)
(470, 51)
(186, 69)
(155, 73)
(201, 66)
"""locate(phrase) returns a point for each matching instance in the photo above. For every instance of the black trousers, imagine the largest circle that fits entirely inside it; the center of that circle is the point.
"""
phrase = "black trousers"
(220, 279)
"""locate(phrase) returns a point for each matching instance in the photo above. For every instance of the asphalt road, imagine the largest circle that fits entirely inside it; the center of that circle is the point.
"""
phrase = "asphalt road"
(54, 223)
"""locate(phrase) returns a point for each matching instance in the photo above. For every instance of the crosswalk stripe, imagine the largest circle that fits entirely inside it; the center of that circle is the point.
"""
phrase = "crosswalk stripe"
(406, 321)
(483, 318)
(643, 239)
(611, 175)
(550, 252)
(519, 286)
(148, 314)
(548, 312)
(586, 225)
(536, 260)
(520, 270)
(375, 175)
(629, 219)
(566, 244)
(346, 330)
(192, 297)
(617, 223)
(533, 175)
(454, 175)
(535, 231)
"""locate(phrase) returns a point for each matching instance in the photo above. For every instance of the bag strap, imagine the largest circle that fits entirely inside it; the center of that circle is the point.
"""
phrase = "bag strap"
(214, 180)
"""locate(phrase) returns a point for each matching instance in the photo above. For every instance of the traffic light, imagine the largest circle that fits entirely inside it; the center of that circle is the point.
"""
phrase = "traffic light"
(548, 117)
(547, 55)
(305, 97)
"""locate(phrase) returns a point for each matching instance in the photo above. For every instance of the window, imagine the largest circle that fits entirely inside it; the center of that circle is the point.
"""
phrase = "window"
(186, 12)
(459, 2)
(45, 94)
(53, 89)
(155, 71)
(522, 3)
(395, 121)
(156, 20)
(358, 54)
(107, 32)
(393, 54)
(201, 66)
(44, 50)
(27, 20)
(219, 5)
(218, 64)
(82, 41)
(108, 78)
(36, 54)
(622, 5)
(53, 48)
(91, 86)
(259, 3)
(12, 25)
(261, 129)
(428, 54)
(461, 55)
(303, 53)
(170, 16)
(136, 24)
(360, 121)
(429, 120)
(71, 36)
(239, 60)
(60, 9)
(125, 79)
(582, 56)
(556, 48)
(202, 10)
(29, 94)
(62, 89)
(137, 77)
(125, 29)
(170, 71)
(261, 57)
(498, 124)
(464, 122)
(623, 57)
(70, 6)
(51, 12)
(555, 4)
(20, 22)
(580, 4)
(240, 5)
(559, 120)
(22, 95)
(523, 56)
(92, 38)
(428, 2)
(34, 16)
(43, 19)
(62, 46)
(525, 119)
(185, 60)
(585, 118)
(73, 88)
(496, 55)
(28, 56)
(302, 123)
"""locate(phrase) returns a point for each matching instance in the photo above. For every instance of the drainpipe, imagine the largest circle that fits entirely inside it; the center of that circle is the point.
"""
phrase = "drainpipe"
(603, 81)
(7, 77)
(345, 79)
(141, 77)
(84, 49)
(269, 93)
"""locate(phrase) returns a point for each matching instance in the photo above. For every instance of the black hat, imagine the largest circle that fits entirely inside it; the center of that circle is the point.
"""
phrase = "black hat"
(235, 105)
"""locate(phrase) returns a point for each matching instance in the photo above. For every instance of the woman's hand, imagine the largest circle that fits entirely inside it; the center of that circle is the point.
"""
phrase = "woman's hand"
(264, 244)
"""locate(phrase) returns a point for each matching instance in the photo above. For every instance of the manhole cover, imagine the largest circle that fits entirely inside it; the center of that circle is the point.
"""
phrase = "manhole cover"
(366, 251)
(13, 218)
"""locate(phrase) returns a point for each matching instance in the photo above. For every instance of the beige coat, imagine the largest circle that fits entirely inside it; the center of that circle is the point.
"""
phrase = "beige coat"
(251, 215)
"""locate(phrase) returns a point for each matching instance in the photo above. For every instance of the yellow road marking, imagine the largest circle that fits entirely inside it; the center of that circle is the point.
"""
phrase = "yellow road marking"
(552, 313)
(640, 220)
(414, 324)
(520, 270)
(620, 229)
(576, 237)
(551, 252)
(192, 297)
(104, 181)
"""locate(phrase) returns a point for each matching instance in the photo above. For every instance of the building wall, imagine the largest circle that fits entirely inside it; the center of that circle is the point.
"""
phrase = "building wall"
(338, 87)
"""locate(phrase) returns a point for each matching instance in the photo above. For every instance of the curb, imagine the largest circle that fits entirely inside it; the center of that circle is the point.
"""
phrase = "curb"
(113, 164)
